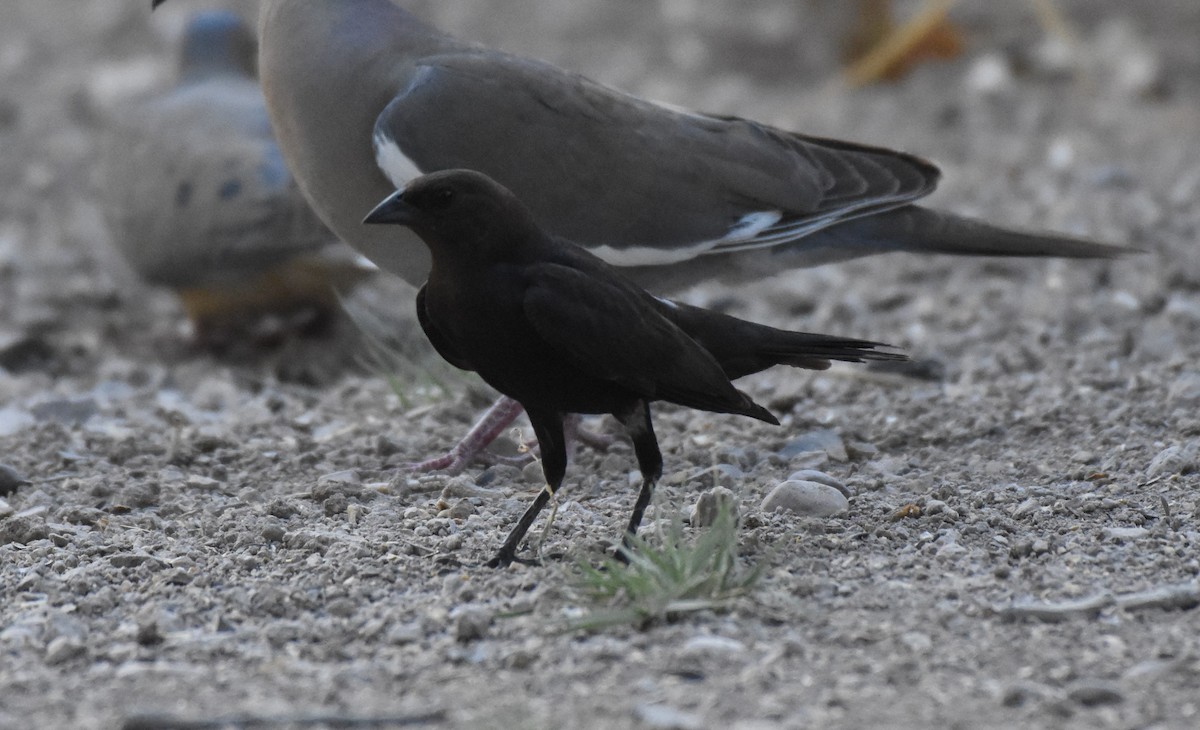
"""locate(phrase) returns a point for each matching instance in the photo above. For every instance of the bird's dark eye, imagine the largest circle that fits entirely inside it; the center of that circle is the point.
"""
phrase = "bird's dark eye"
(441, 198)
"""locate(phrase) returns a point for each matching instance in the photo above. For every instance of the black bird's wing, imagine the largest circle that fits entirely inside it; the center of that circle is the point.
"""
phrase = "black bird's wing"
(436, 338)
(608, 329)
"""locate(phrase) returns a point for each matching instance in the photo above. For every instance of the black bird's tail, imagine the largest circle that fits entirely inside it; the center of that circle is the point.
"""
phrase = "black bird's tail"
(743, 348)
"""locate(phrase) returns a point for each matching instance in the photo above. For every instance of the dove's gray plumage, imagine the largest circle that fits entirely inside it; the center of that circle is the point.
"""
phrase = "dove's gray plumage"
(365, 96)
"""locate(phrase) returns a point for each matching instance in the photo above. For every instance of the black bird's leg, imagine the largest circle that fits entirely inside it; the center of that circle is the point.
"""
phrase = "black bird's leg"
(548, 427)
(650, 462)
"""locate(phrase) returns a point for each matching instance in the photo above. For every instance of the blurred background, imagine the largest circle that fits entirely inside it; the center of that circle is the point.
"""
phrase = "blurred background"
(1002, 95)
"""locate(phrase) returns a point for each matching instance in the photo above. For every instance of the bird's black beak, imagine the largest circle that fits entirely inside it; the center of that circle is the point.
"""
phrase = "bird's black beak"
(393, 209)
(155, 3)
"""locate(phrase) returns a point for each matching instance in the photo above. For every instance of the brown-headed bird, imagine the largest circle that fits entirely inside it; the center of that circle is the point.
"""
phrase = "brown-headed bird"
(557, 329)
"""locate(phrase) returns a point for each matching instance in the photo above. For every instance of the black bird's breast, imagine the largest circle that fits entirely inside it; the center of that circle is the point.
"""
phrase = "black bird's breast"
(479, 323)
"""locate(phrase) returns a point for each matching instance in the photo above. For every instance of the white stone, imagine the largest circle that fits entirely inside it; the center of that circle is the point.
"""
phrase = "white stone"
(811, 499)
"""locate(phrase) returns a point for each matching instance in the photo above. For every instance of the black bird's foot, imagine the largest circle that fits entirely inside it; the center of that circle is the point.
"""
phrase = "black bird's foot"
(502, 560)
(505, 558)
(625, 549)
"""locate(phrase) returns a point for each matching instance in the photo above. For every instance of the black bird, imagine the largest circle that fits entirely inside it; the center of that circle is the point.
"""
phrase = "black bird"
(555, 328)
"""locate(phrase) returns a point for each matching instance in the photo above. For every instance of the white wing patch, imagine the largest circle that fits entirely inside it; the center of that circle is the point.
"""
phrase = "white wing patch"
(752, 230)
(753, 224)
(648, 255)
(393, 162)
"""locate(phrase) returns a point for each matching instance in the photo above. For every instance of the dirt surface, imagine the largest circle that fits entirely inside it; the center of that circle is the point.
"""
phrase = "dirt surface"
(211, 538)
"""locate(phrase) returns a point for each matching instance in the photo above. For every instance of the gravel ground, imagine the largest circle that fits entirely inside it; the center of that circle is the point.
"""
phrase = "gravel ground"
(211, 538)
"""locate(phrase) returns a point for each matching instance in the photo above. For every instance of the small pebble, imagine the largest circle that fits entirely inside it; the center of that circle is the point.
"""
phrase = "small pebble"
(499, 475)
(408, 633)
(14, 420)
(386, 446)
(273, 532)
(950, 550)
(820, 477)
(471, 624)
(812, 499)
(197, 481)
(1124, 534)
(916, 642)
(347, 476)
(335, 504)
(1083, 456)
(712, 645)
(826, 440)
(1021, 693)
(463, 486)
(533, 474)
(861, 450)
(1026, 507)
(23, 528)
(148, 632)
(461, 510)
(704, 512)
(64, 649)
(727, 475)
(1094, 692)
(521, 658)
(283, 509)
(1175, 459)
(662, 717)
(10, 480)
(989, 74)
(342, 607)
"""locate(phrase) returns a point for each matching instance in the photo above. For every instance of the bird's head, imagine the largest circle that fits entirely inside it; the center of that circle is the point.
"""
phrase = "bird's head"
(460, 213)
(217, 42)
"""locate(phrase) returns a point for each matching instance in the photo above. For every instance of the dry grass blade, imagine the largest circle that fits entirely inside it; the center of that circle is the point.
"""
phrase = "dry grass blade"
(404, 373)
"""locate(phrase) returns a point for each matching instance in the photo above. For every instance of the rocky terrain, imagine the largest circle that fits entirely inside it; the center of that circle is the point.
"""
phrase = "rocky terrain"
(187, 537)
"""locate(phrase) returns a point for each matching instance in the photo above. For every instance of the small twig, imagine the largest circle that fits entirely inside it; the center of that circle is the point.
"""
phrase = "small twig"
(56, 478)
(1173, 597)
(1180, 596)
(1051, 612)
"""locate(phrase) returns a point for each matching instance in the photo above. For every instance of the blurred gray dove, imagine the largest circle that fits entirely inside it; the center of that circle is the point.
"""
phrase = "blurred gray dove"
(198, 197)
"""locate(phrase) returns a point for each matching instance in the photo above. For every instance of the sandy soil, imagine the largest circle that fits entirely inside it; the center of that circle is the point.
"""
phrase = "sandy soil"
(209, 539)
